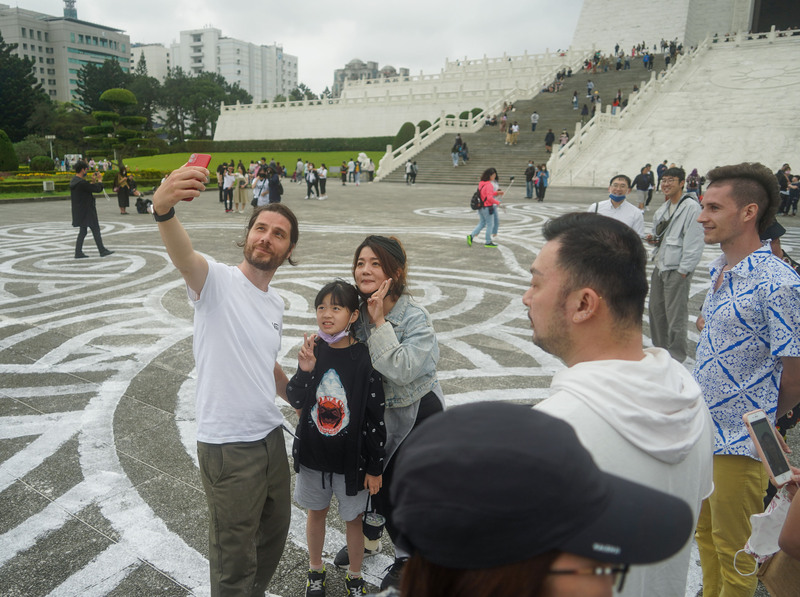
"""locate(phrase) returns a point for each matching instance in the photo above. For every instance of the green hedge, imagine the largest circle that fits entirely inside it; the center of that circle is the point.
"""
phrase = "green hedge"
(267, 145)
(63, 186)
(41, 163)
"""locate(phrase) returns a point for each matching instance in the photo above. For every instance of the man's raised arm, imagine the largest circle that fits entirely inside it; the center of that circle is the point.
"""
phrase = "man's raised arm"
(185, 183)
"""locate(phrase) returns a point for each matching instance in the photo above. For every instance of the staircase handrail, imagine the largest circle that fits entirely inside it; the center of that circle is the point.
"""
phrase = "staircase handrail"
(600, 122)
(393, 158)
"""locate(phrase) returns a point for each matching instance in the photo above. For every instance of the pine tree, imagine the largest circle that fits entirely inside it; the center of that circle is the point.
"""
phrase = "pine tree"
(20, 92)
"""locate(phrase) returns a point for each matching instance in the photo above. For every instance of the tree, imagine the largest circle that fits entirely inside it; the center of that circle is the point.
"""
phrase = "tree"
(20, 92)
(8, 158)
(301, 92)
(68, 128)
(93, 80)
(117, 129)
(192, 104)
(147, 90)
(31, 146)
(174, 104)
(279, 98)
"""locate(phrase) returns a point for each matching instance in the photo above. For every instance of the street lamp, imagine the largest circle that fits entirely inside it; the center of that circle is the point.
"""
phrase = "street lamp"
(50, 138)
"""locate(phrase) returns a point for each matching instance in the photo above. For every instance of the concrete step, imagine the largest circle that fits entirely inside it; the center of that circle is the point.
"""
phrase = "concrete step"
(487, 147)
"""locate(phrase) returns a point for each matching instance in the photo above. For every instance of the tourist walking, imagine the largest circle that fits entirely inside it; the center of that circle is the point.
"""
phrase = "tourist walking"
(489, 190)
(84, 211)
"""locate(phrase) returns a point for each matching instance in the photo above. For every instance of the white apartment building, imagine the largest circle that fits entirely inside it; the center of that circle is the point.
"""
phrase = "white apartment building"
(61, 46)
(156, 56)
(262, 71)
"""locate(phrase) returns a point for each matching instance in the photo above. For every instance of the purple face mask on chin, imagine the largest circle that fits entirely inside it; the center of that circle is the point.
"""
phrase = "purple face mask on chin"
(335, 337)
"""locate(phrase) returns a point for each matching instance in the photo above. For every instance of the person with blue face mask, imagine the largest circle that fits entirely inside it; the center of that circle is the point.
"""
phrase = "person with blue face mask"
(617, 207)
(341, 435)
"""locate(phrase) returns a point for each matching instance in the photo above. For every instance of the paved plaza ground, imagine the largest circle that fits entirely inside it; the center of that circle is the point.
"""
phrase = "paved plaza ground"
(99, 486)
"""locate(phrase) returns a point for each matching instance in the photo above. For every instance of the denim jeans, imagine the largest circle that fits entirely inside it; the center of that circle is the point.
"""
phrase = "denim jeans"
(454, 155)
(528, 189)
(487, 221)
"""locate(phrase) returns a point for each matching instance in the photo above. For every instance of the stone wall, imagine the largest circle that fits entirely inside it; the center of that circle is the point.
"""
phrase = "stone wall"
(629, 22)
(381, 108)
(731, 102)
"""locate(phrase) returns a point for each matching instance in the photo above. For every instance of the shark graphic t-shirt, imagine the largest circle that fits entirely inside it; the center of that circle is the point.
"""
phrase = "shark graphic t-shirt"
(341, 426)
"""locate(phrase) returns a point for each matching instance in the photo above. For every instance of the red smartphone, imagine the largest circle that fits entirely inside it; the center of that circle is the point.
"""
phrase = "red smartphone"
(198, 159)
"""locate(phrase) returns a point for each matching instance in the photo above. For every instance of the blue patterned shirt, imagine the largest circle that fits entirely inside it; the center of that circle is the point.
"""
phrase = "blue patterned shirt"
(752, 320)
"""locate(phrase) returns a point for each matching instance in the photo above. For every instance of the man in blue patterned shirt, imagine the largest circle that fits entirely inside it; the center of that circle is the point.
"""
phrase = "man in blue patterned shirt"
(748, 357)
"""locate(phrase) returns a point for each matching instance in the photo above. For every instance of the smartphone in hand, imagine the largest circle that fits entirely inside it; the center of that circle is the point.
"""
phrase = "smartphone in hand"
(198, 159)
(769, 449)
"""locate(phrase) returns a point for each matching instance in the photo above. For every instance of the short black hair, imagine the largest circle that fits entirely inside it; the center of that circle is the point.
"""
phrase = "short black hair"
(678, 173)
(343, 294)
(627, 179)
(605, 255)
(81, 165)
(750, 182)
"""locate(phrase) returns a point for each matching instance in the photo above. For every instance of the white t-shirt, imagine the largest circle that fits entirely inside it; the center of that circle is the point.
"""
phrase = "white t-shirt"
(237, 336)
(626, 213)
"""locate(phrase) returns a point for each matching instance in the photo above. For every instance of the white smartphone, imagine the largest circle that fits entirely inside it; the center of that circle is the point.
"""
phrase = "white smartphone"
(766, 442)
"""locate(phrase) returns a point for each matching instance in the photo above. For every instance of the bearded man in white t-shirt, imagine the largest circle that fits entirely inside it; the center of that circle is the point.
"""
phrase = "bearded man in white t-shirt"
(241, 452)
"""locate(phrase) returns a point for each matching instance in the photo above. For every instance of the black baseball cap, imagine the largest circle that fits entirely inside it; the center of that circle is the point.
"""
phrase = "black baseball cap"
(494, 483)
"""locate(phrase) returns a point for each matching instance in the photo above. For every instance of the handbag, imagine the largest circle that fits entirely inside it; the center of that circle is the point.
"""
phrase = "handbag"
(372, 524)
(661, 229)
(780, 574)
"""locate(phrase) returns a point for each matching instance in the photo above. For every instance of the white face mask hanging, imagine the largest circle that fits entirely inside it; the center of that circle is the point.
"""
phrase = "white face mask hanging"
(766, 528)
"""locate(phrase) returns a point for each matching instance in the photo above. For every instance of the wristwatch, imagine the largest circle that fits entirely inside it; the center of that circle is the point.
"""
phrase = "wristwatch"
(167, 216)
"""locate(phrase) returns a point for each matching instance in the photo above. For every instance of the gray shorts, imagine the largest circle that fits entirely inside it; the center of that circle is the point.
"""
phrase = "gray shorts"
(311, 495)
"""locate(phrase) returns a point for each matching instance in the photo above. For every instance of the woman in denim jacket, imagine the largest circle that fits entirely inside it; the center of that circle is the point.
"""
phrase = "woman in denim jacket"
(403, 347)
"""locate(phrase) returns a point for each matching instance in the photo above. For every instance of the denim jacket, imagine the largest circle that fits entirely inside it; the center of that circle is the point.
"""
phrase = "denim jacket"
(405, 351)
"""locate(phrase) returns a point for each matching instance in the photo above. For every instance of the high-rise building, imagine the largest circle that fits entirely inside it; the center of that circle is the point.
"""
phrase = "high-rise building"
(156, 57)
(262, 71)
(61, 46)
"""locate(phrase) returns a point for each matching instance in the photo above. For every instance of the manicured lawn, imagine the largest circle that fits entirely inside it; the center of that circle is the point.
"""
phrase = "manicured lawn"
(29, 194)
(171, 161)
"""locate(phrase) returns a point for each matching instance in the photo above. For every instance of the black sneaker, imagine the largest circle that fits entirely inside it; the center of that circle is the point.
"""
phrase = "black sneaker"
(342, 559)
(392, 578)
(315, 585)
(106, 253)
(355, 586)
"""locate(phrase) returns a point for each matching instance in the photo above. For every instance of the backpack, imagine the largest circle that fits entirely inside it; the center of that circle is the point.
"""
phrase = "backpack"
(476, 202)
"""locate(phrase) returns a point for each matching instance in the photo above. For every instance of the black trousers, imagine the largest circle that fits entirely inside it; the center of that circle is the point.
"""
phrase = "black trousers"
(98, 240)
(428, 405)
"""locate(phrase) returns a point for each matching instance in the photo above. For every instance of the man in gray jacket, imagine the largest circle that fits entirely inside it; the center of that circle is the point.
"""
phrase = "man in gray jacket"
(678, 240)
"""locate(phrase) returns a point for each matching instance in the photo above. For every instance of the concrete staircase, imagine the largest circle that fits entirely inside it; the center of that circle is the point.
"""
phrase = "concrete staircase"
(487, 147)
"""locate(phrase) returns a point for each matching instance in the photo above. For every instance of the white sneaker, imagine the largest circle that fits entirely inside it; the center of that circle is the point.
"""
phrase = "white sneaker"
(306, 197)
(321, 198)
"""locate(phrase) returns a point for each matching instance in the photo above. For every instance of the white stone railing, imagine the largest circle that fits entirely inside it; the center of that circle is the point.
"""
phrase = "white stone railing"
(393, 158)
(564, 157)
(458, 70)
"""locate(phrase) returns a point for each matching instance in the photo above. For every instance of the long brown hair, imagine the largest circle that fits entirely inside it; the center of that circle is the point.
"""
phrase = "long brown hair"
(421, 578)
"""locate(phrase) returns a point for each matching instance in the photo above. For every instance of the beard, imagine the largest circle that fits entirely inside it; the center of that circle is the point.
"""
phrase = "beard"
(264, 261)
(553, 339)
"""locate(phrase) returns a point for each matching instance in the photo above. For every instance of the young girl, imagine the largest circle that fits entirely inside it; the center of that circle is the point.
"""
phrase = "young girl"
(341, 435)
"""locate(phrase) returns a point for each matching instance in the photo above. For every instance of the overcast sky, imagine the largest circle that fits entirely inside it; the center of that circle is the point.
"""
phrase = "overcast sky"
(325, 35)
